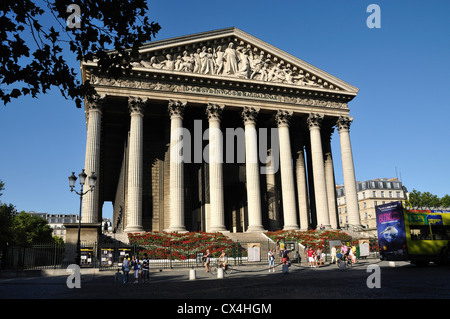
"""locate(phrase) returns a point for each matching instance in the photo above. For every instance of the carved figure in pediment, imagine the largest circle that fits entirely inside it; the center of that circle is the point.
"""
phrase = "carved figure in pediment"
(207, 61)
(197, 61)
(244, 63)
(187, 62)
(154, 63)
(273, 73)
(219, 59)
(257, 64)
(231, 60)
(168, 64)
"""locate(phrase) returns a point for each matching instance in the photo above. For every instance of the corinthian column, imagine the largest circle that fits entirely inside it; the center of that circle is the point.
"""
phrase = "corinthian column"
(217, 215)
(302, 189)
(92, 158)
(176, 110)
(135, 165)
(249, 115)
(343, 124)
(320, 189)
(287, 172)
(329, 177)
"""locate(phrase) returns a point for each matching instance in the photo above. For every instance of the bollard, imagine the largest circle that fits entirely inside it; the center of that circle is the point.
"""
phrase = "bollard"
(192, 274)
(220, 273)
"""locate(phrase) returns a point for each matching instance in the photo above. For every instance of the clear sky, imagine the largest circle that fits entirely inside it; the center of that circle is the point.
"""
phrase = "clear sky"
(401, 113)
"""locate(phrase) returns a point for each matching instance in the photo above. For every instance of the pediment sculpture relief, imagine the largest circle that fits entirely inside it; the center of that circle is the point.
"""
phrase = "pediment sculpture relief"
(242, 61)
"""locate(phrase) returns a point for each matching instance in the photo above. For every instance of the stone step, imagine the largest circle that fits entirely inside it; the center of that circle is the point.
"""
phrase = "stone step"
(247, 237)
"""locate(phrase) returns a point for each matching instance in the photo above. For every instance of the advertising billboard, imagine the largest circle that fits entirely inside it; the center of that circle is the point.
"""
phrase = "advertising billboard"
(391, 231)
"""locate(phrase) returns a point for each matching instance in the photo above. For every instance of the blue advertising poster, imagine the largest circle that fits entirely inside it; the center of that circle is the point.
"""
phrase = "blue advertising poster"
(391, 231)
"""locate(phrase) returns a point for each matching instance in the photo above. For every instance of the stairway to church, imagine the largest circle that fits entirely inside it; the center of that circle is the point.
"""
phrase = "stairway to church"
(247, 237)
(253, 237)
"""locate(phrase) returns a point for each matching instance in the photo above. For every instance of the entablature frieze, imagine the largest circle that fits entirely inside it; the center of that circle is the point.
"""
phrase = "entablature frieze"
(247, 92)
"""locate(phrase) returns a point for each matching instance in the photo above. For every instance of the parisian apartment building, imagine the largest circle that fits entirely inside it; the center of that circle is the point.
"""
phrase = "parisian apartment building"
(57, 221)
(370, 194)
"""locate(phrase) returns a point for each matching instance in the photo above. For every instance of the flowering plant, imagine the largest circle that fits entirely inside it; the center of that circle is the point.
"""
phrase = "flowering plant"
(181, 246)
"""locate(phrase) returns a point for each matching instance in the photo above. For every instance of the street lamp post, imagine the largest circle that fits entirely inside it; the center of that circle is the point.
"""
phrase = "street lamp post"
(72, 179)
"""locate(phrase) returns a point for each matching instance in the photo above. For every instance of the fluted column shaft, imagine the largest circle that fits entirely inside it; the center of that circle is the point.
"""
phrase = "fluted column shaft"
(252, 170)
(92, 160)
(176, 110)
(135, 165)
(302, 190)
(272, 194)
(287, 172)
(348, 170)
(329, 178)
(217, 214)
(320, 189)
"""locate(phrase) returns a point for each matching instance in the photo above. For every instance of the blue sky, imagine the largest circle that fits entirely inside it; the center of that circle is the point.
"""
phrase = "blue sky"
(401, 113)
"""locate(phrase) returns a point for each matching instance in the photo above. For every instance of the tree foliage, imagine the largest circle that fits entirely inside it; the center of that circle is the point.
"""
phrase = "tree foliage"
(427, 200)
(31, 68)
(22, 229)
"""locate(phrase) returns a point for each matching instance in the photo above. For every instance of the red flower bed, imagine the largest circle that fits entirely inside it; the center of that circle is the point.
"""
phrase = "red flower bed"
(181, 246)
(318, 238)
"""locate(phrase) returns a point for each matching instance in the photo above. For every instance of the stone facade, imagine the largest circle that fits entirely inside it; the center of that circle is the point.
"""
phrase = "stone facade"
(217, 131)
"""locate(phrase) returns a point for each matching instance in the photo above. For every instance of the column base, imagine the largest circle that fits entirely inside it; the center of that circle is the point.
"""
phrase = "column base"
(255, 228)
(217, 229)
(176, 229)
(133, 229)
(291, 227)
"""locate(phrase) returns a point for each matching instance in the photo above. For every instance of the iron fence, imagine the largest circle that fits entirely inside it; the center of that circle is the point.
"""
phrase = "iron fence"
(110, 255)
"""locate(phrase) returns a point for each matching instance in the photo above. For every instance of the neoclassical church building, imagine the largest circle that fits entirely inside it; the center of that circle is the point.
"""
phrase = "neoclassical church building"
(217, 131)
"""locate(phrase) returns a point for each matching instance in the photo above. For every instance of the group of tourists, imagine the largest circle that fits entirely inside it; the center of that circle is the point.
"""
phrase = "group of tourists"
(141, 268)
(223, 259)
(314, 257)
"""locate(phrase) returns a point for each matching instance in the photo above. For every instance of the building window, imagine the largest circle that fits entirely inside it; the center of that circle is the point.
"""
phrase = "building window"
(382, 193)
(390, 194)
(374, 194)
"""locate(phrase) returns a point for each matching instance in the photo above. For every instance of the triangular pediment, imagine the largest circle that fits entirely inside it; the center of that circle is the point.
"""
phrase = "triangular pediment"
(233, 54)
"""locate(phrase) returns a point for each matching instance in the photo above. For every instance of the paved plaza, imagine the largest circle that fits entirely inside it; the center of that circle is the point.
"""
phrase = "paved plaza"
(403, 281)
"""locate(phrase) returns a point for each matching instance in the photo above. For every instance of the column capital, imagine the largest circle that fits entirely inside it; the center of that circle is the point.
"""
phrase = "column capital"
(283, 117)
(314, 120)
(136, 105)
(95, 102)
(176, 108)
(343, 123)
(249, 114)
(214, 111)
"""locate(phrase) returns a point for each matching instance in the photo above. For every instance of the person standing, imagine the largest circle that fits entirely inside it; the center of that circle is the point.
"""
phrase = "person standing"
(207, 258)
(271, 258)
(135, 264)
(146, 268)
(319, 257)
(333, 255)
(125, 268)
(311, 257)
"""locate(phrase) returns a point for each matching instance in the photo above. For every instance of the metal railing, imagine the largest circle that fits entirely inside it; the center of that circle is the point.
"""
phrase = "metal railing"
(109, 256)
